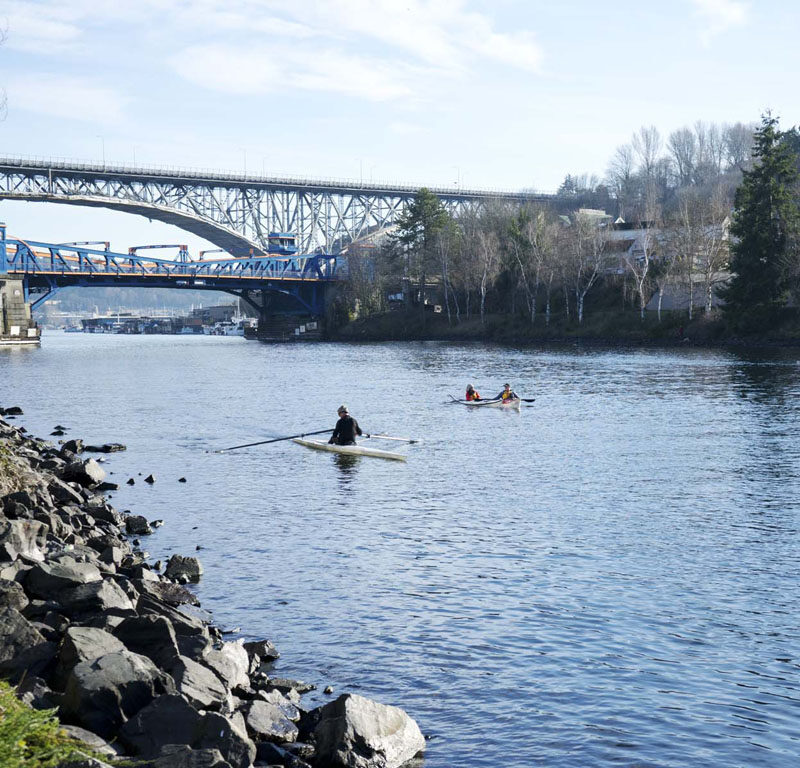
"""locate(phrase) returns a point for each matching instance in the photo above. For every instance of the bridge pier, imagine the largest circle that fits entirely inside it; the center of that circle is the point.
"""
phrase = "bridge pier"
(287, 316)
(16, 324)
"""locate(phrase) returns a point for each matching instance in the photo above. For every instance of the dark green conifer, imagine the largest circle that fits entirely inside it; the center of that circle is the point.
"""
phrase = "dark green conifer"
(765, 225)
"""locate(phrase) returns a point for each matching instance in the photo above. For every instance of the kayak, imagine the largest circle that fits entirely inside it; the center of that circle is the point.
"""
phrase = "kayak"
(350, 450)
(512, 404)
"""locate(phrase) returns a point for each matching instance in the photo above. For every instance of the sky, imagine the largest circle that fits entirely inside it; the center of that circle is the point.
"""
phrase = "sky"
(507, 94)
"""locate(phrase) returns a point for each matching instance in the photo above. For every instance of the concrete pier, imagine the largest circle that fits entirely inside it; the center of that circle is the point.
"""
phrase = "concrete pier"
(16, 324)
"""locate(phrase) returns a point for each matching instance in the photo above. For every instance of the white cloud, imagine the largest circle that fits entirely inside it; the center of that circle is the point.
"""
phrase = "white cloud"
(376, 50)
(718, 16)
(37, 28)
(405, 129)
(442, 33)
(280, 68)
(66, 97)
(372, 49)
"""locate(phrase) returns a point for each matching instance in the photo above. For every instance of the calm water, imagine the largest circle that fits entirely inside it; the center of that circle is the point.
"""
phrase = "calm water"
(609, 577)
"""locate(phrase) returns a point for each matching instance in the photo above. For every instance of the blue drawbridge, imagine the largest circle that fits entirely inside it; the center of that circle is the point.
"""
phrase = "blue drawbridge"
(282, 282)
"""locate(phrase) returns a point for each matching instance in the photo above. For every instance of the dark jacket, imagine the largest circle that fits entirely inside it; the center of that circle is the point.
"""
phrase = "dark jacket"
(345, 431)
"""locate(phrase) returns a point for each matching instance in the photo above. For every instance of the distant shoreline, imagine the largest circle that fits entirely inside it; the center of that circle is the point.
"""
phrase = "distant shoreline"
(403, 326)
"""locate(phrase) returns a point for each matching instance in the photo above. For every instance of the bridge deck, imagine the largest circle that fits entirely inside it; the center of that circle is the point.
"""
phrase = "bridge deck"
(26, 258)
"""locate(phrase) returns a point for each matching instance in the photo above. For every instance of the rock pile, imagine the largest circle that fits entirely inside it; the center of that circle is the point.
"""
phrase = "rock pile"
(89, 627)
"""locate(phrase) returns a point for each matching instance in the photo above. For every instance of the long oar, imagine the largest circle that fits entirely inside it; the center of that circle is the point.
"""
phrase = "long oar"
(274, 440)
(403, 439)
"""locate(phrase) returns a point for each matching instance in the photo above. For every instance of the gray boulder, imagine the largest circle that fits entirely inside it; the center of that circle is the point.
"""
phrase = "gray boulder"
(192, 634)
(100, 509)
(16, 634)
(34, 692)
(198, 684)
(91, 740)
(267, 722)
(181, 756)
(22, 537)
(263, 649)
(83, 644)
(287, 686)
(33, 661)
(230, 662)
(172, 720)
(86, 473)
(166, 591)
(152, 636)
(112, 556)
(12, 595)
(282, 702)
(356, 732)
(46, 580)
(62, 493)
(102, 694)
(180, 567)
(97, 597)
(137, 525)
(105, 448)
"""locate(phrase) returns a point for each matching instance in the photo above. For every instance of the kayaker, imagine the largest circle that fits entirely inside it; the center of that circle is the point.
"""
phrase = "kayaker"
(507, 394)
(346, 429)
(472, 394)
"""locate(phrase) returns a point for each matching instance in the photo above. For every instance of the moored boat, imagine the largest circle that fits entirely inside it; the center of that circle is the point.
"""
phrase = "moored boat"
(350, 450)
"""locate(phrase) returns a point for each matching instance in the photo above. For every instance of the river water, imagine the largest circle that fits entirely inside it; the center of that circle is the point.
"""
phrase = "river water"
(609, 577)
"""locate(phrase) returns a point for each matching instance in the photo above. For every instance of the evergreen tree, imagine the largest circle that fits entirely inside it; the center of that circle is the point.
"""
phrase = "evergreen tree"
(765, 223)
(419, 228)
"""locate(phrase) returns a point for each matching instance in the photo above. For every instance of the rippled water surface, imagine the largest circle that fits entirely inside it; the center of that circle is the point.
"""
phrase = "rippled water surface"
(609, 577)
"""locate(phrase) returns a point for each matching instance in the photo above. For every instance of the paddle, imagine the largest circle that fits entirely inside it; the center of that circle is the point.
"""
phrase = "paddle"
(387, 437)
(274, 440)
(482, 400)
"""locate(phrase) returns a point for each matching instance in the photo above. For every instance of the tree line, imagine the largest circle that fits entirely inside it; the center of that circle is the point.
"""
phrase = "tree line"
(685, 212)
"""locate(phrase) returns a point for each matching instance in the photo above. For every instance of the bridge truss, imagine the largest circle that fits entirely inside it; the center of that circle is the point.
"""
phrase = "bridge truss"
(235, 212)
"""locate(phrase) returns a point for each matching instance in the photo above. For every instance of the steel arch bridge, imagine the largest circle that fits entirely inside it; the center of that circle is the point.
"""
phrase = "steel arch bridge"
(235, 212)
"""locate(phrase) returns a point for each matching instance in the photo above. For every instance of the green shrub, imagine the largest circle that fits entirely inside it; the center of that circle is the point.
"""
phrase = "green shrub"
(31, 738)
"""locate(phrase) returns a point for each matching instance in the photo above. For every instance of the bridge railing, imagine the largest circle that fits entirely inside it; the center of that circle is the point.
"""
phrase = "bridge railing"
(29, 257)
(72, 165)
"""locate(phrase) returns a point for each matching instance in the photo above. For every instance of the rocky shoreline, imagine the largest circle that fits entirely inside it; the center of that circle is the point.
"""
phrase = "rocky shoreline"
(90, 628)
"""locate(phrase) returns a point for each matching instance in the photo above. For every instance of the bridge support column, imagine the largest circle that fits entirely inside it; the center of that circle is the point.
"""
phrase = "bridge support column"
(16, 324)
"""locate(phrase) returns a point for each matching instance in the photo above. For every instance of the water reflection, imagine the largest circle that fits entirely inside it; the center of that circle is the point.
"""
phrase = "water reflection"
(347, 469)
(771, 377)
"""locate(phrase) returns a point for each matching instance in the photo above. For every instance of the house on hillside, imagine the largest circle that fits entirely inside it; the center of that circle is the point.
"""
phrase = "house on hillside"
(630, 243)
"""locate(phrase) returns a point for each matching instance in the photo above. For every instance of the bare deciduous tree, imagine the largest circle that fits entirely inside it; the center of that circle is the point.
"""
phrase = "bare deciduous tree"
(646, 145)
(682, 145)
(489, 251)
(584, 258)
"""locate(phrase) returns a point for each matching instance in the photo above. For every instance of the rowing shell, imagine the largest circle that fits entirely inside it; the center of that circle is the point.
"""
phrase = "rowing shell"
(512, 404)
(350, 450)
